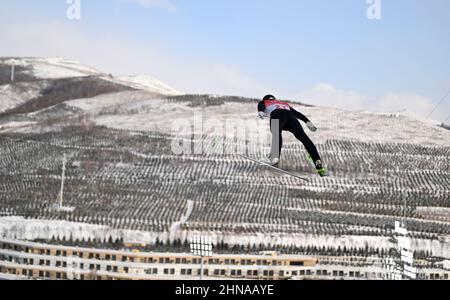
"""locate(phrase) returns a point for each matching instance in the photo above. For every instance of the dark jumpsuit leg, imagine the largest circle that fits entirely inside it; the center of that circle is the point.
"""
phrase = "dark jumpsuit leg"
(297, 129)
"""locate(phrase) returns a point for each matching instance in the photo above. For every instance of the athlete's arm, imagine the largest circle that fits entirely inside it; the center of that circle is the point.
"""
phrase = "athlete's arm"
(261, 110)
(261, 106)
(300, 116)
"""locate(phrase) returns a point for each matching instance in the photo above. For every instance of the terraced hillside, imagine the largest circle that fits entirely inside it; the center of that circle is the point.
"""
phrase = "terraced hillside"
(123, 173)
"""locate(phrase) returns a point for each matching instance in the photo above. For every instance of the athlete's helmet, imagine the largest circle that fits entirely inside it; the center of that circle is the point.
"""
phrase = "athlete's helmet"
(269, 97)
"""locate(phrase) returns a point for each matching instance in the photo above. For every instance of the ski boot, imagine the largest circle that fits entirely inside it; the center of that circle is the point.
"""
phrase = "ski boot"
(274, 162)
(321, 170)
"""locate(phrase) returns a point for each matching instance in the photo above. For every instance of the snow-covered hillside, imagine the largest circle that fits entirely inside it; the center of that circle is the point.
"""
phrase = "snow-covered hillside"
(124, 175)
(333, 123)
(12, 95)
(54, 68)
(33, 76)
(145, 82)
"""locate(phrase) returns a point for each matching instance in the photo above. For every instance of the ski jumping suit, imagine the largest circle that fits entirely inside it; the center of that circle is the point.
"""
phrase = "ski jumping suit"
(283, 114)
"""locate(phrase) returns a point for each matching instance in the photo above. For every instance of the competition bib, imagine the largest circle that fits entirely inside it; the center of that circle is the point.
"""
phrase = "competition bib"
(272, 105)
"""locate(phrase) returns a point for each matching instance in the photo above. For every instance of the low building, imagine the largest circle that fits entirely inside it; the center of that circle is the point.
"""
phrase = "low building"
(43, 261)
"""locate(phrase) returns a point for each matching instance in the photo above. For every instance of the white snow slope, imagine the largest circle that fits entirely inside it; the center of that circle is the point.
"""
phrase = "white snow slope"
(54, 68)
(151, 114)
(12, 95)
(145, 82)
(58, 68)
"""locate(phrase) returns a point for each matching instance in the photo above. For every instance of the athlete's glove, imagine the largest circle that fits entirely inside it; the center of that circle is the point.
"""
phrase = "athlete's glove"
(311, 126)
(262, 114)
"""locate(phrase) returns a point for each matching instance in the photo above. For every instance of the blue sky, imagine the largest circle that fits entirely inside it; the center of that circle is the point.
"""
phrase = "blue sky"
(324, 52)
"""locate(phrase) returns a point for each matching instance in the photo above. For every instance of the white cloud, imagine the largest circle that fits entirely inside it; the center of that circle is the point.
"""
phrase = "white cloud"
(325, 94)
(324, 88)
(119, 55)
(403, 101)
(113, 54)
(231, 80)
(159, 3)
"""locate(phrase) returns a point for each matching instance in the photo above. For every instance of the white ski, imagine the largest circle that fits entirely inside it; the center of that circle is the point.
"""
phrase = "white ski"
(274, 168)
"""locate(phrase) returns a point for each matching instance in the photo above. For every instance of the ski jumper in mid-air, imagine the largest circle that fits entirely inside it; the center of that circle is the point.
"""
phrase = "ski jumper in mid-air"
(284, 118)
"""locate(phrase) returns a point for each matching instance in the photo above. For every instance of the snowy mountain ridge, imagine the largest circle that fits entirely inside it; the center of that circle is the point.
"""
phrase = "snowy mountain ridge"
(58, 68)
(54, 68)
(145, 82)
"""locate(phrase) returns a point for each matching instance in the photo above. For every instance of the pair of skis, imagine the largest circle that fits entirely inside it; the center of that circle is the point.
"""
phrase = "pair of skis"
(281, 170)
